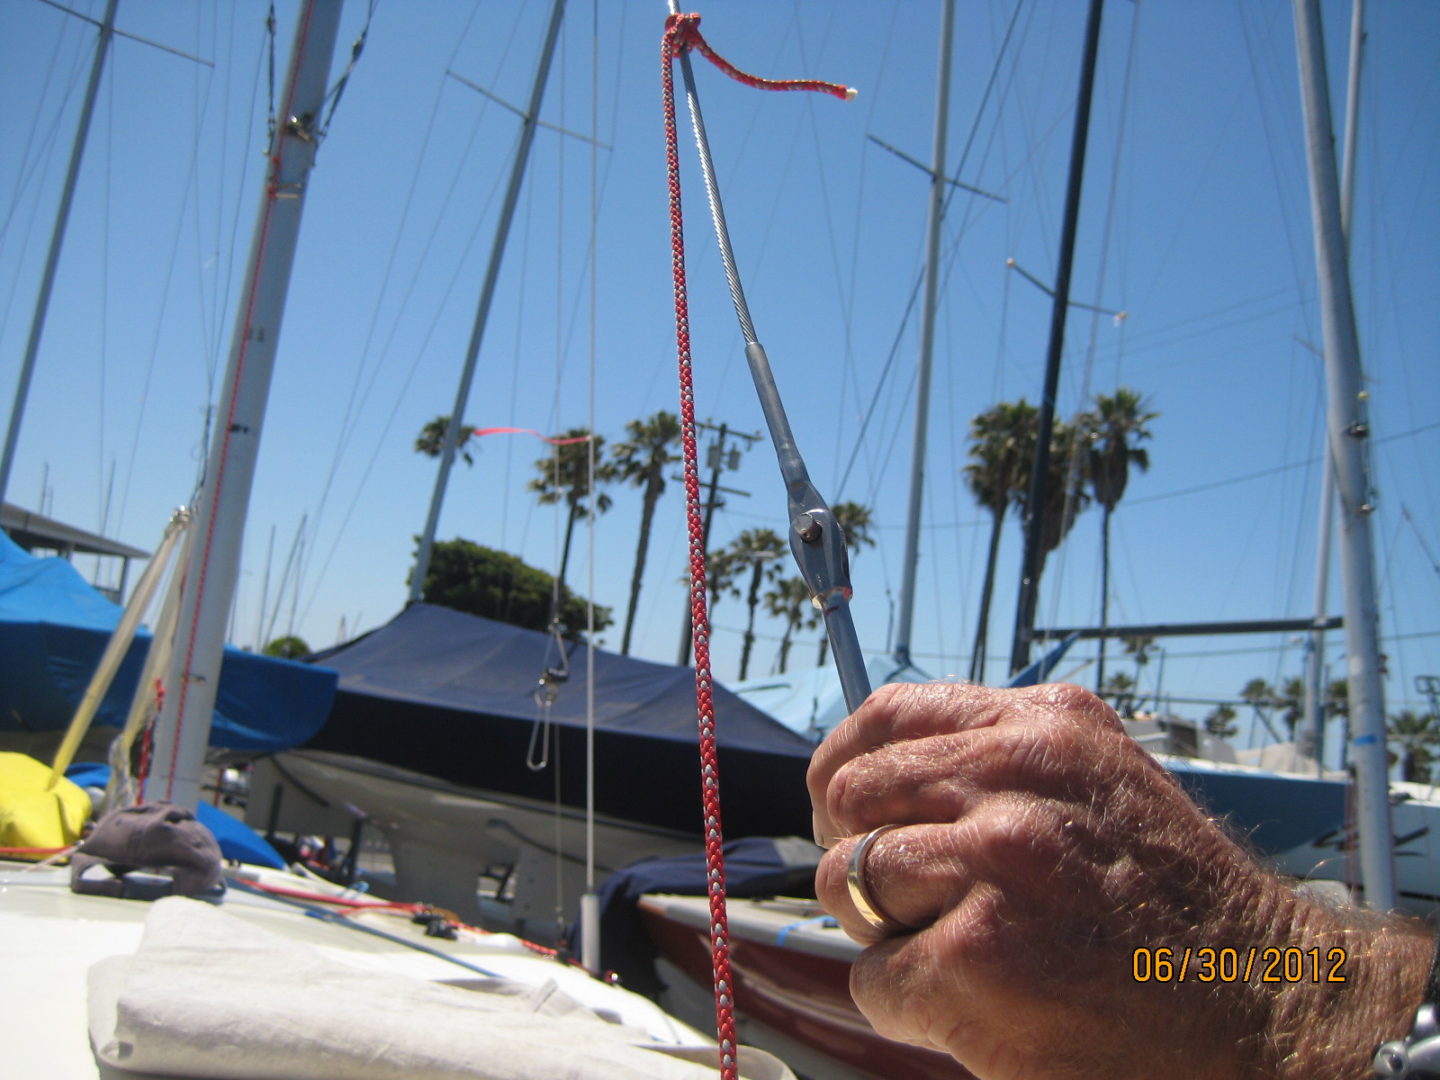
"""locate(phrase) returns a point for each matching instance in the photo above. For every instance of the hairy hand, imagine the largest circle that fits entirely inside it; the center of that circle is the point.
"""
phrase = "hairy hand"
(1041, 848)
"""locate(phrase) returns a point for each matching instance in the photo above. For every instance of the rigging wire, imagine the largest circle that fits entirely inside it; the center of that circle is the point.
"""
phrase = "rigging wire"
(35, 156)
(561, 180)
(590, 924)
(103, 333)
(353, 409)
(189, 190)
(1303, 463)
(1284, 201)
(859, 442)
(575, 314)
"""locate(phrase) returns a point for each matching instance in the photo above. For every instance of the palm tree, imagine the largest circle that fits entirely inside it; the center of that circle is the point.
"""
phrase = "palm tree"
(1120, 690)
(1002, 446)
(721, 569)
(1261, 696)
(1114, 431)
(757, 548)
(1220, 722)
(565, 474)
(1065, 494)
(432, 438)
(789, 599)
(1290, 700)
(642, 460)
(1418, 737)
(1139, 647)
(855, 521)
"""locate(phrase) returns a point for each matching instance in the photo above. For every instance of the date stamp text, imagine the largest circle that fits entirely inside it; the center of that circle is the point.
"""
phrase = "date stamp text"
(1205, 964)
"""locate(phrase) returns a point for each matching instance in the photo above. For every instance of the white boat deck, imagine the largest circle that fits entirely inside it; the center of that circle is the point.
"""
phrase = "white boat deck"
(50, 938)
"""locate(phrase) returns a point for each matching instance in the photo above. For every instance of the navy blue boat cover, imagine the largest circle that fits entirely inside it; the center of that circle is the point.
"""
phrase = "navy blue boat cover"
(433, 655)
(54, 627)
(452, 695)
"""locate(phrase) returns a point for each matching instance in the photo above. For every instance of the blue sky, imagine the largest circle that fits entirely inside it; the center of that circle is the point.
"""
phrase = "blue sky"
(1195, 222)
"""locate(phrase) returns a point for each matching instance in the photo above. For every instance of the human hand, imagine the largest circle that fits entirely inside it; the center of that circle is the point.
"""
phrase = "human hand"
(1040, 848)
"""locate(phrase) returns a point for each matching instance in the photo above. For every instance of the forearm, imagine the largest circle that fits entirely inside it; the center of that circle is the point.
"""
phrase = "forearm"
(1330, 1028)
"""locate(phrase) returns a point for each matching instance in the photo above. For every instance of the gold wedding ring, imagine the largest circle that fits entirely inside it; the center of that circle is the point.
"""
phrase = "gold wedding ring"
(873, 914)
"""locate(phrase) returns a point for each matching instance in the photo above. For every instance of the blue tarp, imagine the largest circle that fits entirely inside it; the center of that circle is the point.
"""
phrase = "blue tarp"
(754, 866)
(811, 702)
(54, 627)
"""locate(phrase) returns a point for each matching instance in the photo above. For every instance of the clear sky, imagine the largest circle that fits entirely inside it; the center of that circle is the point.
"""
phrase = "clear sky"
(1195, 222)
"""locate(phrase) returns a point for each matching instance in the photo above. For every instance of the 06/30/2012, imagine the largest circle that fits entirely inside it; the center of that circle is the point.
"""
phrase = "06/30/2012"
(1206, 964)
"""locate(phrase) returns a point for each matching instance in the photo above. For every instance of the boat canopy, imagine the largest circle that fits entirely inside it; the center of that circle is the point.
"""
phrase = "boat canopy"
(453, 696)
(431, 655)
(54, 627)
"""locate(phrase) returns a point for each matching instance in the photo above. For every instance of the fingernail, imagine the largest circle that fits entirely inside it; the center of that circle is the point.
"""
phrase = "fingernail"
(820, 838)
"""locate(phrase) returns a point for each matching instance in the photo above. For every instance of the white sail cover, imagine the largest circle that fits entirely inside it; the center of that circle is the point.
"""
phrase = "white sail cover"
(209, 995)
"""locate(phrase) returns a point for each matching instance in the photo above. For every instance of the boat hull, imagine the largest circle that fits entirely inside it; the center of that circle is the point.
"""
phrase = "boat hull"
(792, 987)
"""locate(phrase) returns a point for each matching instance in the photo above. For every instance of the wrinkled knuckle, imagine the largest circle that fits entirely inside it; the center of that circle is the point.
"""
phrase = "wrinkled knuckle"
(1021, 836)
(830, 879)
(979, 933)
(882, 706)
(886, 695)
(1080, 703)
(898, 998)
(843, 791)
(1040, 752)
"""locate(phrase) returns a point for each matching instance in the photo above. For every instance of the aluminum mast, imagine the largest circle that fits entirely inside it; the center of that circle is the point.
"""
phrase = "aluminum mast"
(1348, 428)
(192, 679)
(482, 310)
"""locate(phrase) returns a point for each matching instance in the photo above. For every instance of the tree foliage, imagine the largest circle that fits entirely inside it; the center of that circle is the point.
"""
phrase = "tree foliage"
(288, 647)
(565, 476)
(855, 521)
(1119, 690)
(642, 460)
(757, 549)
(1114, 430)
(470, 577)
(432, 438)
(1220, 722)
(1417, 737)
(1002, 453)
(788, 599)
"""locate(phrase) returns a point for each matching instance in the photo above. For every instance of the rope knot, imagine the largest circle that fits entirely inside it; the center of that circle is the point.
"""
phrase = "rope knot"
(682, 31)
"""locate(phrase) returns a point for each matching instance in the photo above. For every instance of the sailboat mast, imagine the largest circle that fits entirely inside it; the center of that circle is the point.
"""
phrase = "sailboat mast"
(1348, 428)
(1312, 738)
(193, 676)
(1039, 477)
(482, 309)
(935, 215)
(57, 240)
